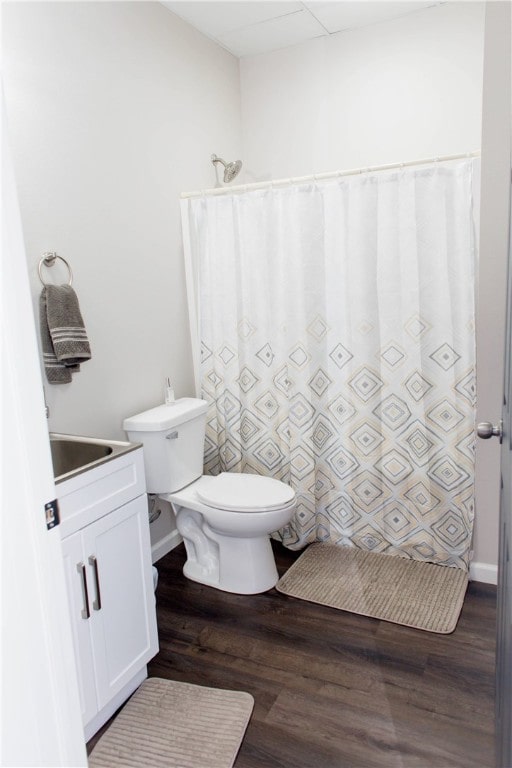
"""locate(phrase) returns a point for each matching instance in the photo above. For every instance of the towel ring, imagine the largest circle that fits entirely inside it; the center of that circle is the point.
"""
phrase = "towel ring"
(48, 259)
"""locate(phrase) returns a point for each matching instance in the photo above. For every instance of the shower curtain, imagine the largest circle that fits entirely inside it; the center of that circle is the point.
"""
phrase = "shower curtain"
(337, 348)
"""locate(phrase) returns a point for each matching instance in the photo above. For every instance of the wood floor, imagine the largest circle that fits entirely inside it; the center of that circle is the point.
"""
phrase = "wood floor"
(333, 689)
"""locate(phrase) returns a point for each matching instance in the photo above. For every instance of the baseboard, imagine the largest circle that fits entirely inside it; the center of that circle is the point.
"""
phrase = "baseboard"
(162, 547)
(484, 572)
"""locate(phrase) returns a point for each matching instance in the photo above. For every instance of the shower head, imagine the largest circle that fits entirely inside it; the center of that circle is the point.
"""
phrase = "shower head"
(230, 169)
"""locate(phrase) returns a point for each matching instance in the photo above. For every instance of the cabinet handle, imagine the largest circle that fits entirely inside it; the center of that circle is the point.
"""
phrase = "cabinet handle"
(85, 613)
(96, 603)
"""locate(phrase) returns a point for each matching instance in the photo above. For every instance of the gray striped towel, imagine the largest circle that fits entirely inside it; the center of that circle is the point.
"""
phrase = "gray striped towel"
(63, 335)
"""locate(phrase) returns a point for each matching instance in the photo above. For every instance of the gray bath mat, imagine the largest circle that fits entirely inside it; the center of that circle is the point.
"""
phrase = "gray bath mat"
(408, 592)
(175, 725)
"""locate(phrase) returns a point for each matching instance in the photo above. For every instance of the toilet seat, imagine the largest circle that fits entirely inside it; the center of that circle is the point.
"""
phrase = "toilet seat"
(240, 492)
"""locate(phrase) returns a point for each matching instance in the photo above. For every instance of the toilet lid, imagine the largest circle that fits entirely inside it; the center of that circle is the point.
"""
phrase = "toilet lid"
(245, 493)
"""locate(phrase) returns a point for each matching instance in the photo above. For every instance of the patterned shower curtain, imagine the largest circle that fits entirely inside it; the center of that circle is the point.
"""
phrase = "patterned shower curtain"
(338, 353)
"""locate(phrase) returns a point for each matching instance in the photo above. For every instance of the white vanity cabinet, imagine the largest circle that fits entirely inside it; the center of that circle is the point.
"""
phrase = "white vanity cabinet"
(107, 555)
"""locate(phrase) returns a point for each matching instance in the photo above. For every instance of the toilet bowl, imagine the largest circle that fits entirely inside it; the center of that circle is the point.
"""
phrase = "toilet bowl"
(225, 520)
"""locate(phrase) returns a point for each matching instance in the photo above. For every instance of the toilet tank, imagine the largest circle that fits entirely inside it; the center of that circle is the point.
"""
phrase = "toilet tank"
(173, 441)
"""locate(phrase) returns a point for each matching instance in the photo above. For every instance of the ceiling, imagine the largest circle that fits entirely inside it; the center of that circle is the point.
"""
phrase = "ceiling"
(247, 28)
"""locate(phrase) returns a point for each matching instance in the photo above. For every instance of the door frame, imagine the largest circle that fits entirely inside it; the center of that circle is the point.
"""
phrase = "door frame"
(40, 713)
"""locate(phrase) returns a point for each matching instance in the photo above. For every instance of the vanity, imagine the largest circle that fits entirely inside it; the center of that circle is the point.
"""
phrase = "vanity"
(104, 526)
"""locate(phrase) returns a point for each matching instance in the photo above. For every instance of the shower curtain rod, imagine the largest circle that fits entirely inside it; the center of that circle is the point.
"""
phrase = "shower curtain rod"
(323, 176)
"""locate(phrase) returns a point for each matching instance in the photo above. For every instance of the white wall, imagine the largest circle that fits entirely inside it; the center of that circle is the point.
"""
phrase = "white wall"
(114, 110)
(394, 91)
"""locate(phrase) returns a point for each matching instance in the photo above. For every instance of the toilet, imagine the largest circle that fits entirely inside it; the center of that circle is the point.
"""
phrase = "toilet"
(225, 520)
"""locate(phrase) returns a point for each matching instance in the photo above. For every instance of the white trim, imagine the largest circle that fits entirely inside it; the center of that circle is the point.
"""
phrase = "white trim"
(165, 545)
(484, 572)
(40, 721)
(323, 176)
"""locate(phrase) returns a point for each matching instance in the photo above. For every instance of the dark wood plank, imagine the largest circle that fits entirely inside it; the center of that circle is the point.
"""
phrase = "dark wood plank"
(332, 688)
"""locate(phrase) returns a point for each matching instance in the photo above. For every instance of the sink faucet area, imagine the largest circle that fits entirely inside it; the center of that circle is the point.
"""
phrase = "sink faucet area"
(73, 454)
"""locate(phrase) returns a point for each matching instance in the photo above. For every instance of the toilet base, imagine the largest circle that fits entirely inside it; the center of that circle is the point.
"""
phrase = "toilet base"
(241, 565)
(245, 566)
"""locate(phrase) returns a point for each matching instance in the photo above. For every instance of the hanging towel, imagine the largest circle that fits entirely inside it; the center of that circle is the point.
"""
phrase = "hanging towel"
(63, 335)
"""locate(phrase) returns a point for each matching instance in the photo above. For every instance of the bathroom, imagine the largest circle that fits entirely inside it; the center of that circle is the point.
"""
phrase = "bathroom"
(114, 110)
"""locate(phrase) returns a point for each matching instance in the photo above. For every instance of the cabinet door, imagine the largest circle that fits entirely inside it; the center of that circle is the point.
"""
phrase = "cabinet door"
(123, 616)
(78, 588)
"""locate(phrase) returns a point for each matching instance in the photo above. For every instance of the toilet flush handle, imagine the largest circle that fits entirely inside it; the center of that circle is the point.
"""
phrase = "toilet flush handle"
(172, 435)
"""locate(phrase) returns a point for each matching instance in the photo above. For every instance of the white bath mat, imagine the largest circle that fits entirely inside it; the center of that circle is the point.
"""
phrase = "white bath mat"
(167, 724)
(409, 592)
